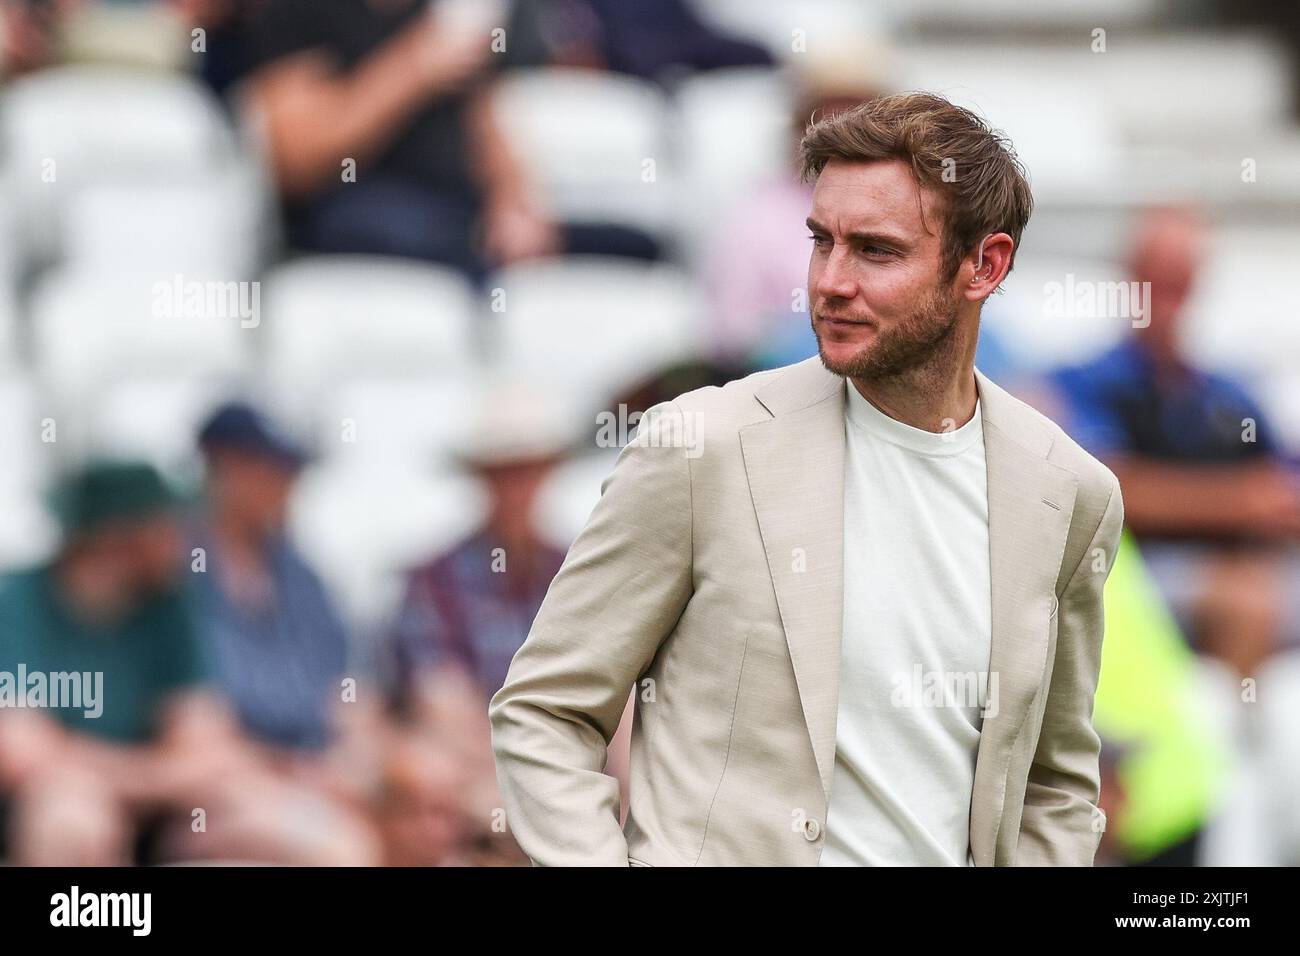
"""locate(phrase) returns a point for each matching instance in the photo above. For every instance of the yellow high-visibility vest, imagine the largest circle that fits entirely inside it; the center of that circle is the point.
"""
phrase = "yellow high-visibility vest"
(1175, 762)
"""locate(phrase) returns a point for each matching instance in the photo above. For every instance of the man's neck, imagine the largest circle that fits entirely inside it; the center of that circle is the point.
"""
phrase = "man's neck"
(936, 396)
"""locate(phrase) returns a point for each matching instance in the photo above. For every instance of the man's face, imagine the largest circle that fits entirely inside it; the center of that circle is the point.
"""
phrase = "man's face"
(879, 307)
(513, 489)
(1167, 255)
(143, 554)
(258, 486)
(155, 549)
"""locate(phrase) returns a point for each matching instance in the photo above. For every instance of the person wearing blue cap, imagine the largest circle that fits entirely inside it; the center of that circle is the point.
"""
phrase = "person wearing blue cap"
(279, 646)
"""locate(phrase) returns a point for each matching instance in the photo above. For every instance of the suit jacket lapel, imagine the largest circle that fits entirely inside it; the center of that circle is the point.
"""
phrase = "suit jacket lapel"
(795, 466)
(1027, 537)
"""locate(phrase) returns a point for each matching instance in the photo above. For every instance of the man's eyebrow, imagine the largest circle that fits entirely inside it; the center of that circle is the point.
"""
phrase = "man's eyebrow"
(865, 237)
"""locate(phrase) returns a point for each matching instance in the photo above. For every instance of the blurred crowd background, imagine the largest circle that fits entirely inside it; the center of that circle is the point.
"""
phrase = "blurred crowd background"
(322, 321)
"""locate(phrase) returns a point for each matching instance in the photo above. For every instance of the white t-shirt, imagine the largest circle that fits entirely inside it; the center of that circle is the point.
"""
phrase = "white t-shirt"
(917, 634)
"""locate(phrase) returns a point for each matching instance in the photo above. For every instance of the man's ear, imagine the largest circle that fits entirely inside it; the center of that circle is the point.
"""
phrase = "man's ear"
(987, 265)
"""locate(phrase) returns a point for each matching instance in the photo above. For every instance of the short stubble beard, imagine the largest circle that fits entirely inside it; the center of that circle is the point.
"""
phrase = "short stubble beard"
(921, 346)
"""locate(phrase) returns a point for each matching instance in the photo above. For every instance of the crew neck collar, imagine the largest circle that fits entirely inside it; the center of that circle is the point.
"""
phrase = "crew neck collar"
(867, 417)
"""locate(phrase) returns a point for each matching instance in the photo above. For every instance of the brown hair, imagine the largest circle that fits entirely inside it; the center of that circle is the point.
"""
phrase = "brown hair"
(951, 150)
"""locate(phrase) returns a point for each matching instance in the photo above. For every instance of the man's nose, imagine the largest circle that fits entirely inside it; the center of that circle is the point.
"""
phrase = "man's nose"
(836, 280)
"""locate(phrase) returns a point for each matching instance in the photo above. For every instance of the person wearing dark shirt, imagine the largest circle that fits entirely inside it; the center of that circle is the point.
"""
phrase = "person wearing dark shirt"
(649, 38)
(382, 138)
(461, 613)
(279, 646)
(1206, 488)
(467, 610)
(1124, 402)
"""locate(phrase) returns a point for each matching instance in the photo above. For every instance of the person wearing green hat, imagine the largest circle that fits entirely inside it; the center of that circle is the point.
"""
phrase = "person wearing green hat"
(108, 617)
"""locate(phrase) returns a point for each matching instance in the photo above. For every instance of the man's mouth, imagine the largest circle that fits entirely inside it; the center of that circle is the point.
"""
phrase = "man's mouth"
(842, 322)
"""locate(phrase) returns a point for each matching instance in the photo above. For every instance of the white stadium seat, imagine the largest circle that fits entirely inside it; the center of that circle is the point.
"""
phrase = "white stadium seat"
(594, 142)
(1037, 18)
(8, 283)
(91, 329)
(8, 324)
(791, 29)
(28, 460)
(1243, 313)
(570, 493)
(70, 128)
(28, 532)
(1204, 87)
(360, 528)
(1047, 102)
(590, 326)
(1145, 87)
(734, 132)
(331, 319)
(155, 420)
(405, 424)
(212, 225)
(1280, 396)
(1057, 311)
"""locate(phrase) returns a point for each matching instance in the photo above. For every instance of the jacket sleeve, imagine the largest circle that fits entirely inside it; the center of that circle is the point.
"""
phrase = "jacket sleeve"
(618, 595)
(1061, 824)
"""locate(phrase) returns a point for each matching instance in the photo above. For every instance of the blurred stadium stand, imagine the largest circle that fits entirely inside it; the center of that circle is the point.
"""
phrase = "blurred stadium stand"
(379, 359)
(153, 178)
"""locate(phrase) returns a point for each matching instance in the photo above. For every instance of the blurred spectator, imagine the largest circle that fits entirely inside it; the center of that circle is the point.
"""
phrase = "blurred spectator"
(1170, 759)
(163, 773)
(382, 137)
(87, 786)
(650, 38)
(468, 610)
(29, 33)
(35, 34)
(1205, 489)
(669, 381)
(280, 647)
(432, 814)
(224, 22)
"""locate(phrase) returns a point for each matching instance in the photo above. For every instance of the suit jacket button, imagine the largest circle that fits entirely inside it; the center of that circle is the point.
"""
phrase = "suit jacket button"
(811, 830)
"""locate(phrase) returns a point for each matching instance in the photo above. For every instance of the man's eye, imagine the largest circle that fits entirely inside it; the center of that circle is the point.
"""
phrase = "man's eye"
(817, 240)
(877, 251)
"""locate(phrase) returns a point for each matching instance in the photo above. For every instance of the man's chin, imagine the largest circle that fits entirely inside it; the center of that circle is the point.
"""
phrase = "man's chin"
(841, 358)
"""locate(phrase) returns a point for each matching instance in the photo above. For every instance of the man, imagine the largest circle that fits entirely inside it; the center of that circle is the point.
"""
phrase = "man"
(800, 571)
(467, 610)
(279, 647)
(1208, 490)
(91, 784)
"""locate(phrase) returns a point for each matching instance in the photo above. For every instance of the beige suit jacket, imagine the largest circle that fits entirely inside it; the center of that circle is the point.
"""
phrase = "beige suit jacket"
(710, 577)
